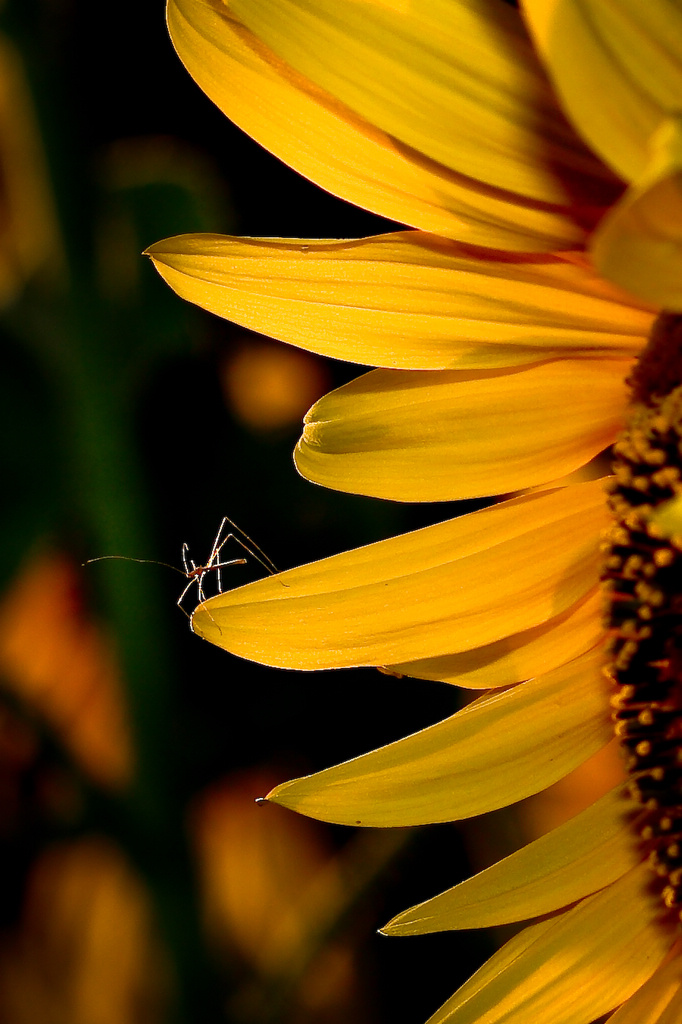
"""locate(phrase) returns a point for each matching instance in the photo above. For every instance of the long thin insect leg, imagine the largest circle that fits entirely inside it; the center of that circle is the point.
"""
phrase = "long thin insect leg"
(266, 561)
(185, 552)
(197, 573)
(194, 580)
(215, 554)
(233, 561)
(251, 548)
(223, 565)
(217, 543)
(179, 601)
(201, 596)
(216, 551)
(251, 551)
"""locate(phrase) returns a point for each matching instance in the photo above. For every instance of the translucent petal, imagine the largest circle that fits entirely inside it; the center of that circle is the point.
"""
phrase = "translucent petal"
(521, 656)
(639, 243)
(658, 1001)
(325, 141)
(446, 588)
(457, 81)
(406, 300)
(450, 434)
(576, 859)
(626, 54)
(572, 968)
(501, 748)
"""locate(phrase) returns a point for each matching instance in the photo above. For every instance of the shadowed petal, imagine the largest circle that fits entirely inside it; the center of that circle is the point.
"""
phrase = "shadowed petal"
(501, 748)
(456, 81)
(574, 967)
(415, 436)
(617, 68)
(639, 242)
(658, 1001)
(521, 656)
(576, 859)
(317, 135)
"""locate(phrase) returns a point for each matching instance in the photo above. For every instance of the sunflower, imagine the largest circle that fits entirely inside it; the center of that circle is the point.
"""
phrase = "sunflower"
(537, 166)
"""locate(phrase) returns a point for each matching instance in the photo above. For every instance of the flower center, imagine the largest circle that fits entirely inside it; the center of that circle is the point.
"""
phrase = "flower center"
(643, 584)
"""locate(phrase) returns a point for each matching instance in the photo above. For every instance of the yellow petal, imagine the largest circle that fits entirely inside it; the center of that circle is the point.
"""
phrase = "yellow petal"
(576, 859)
(458, 82)
(445, 435)
(574, 967)
(617, 68)
(639, 243)
(501, 748)
(518, 657)
(659, 1000)
(405, 300)
(442, 589)
(325, 141)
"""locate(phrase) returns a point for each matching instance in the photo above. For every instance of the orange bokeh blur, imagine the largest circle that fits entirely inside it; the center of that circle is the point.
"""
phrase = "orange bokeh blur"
(84, 951)
(269, 386)
(272, 894)
(60, 665)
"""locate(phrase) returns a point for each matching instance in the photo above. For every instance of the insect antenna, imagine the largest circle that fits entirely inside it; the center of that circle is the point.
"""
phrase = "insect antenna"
(129, 558)
(195, 574)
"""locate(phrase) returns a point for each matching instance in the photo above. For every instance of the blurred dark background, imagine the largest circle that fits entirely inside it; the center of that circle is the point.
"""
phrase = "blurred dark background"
(132, 423)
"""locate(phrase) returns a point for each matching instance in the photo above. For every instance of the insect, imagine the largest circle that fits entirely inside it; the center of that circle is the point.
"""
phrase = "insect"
(196, 574)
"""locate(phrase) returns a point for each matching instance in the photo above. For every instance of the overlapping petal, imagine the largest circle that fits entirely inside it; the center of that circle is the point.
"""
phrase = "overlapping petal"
(639, 243)
(446, 588)
(456, 81)
(521, 656)
(322, 138)
(503, 747)
(572, 968)
(617, 68)
(581, 856)
(405, 300)
(498, 374)
(659, 1000)
(439, 436)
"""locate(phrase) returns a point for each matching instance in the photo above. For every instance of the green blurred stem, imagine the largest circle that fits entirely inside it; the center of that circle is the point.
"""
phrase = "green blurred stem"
(84, 348)
(104, 491)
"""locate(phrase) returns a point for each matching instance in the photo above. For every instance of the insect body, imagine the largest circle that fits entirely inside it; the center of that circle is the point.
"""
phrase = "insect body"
(196, 574)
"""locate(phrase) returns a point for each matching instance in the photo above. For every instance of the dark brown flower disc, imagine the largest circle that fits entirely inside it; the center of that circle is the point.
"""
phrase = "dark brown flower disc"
(643, 582)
